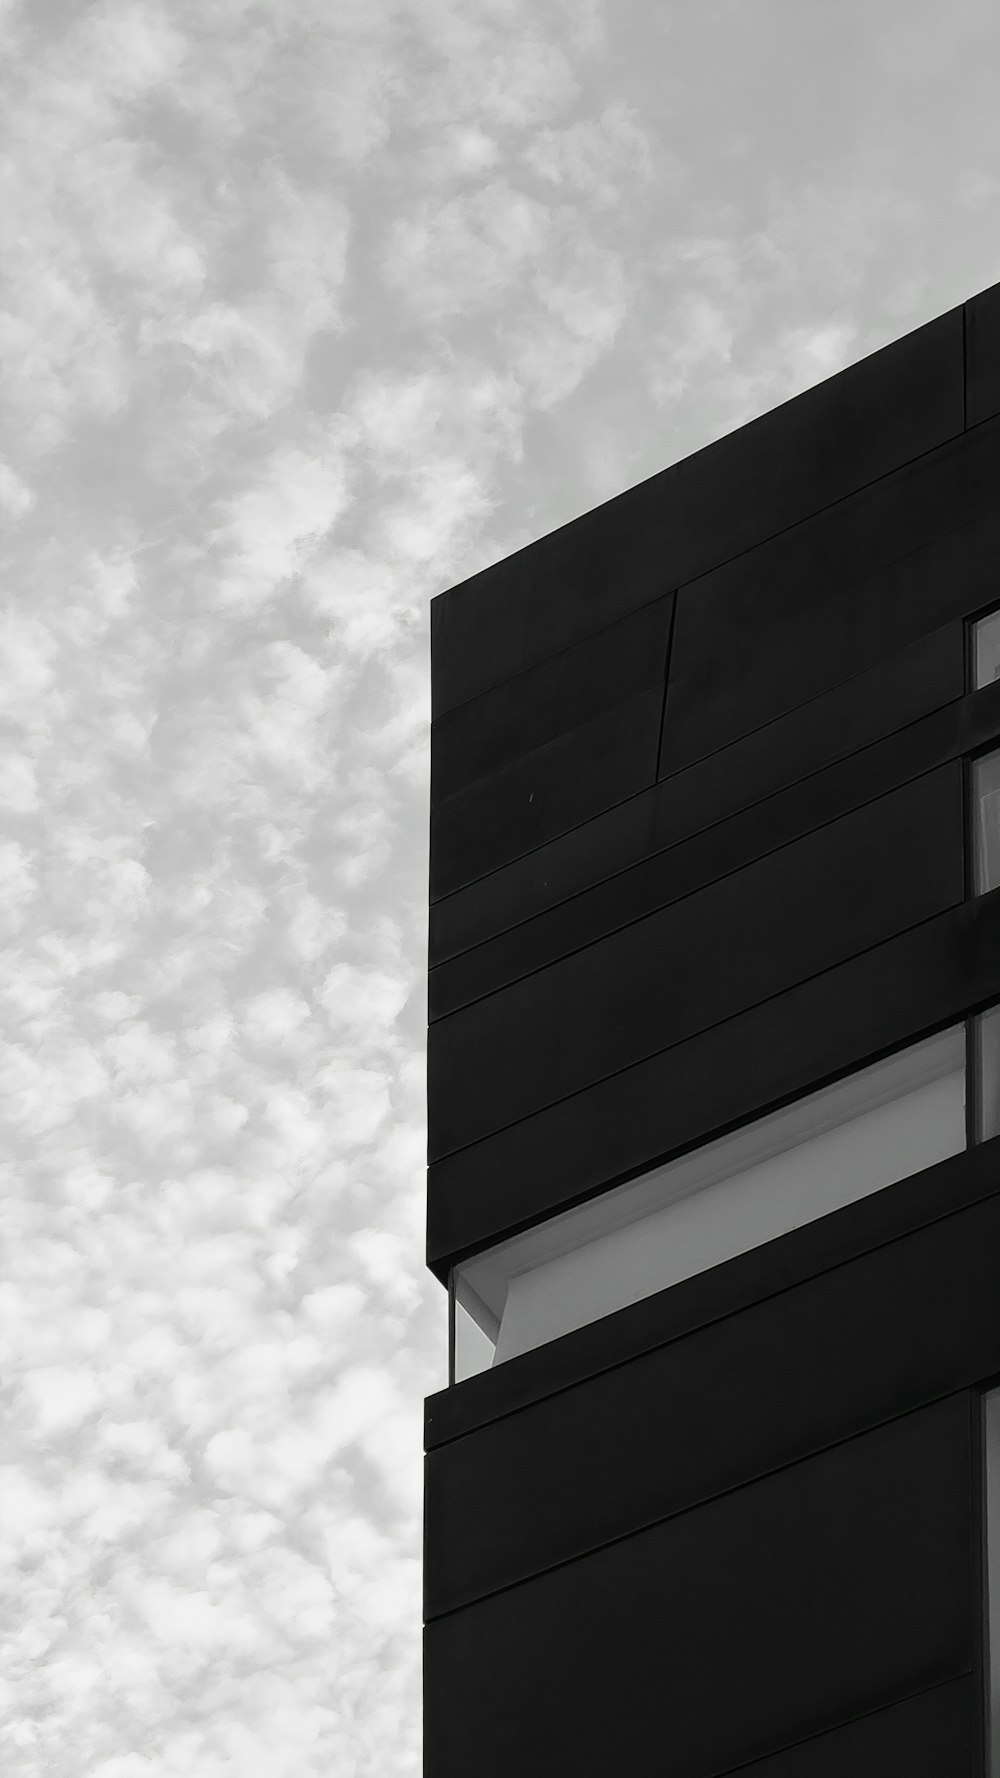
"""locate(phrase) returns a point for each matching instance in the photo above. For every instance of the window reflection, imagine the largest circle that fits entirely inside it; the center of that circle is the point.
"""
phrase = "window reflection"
(986, 806)
(882, 1124)
(817, 1154)
(986, 650)
(986, 1038)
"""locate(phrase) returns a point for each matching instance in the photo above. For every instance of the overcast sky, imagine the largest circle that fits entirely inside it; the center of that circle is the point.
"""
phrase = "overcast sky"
(309, 309)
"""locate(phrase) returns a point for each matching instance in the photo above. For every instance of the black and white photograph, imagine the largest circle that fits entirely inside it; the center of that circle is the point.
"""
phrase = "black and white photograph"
(500, 878)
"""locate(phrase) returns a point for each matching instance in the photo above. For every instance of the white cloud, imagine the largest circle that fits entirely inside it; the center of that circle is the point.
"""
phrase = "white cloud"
(268, 530)
(131, 50)
(17, 882)
(274, 1016)
(18, 786)
(461, 151)
(356, 1102)
(499, 71)
(590, 156)
(62, 1396)
(698, 339)
(459, 255)
(442, 500)
(28, 649)
(15, 494)
(306, 312)
(587, 302)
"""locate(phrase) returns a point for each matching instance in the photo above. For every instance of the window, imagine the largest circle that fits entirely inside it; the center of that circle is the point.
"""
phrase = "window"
(986, 1073)
(991, 1560)
(825, 1150)
(986, 650)
(986, 822)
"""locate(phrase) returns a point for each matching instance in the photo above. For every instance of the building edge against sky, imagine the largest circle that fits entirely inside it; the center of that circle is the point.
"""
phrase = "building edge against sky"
(713, 1095)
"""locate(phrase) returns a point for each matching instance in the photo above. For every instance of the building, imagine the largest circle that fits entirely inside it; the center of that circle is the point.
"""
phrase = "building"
(714, 1094)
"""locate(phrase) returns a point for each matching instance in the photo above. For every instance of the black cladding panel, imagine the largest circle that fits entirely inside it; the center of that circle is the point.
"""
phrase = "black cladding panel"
(547, 750)
(885, 1217)
(743, 939)
(830, 596)
(827, 1590)
(814, 450)
(698, 814)
(982, 356)
(924, 1737)
(886, 1331)
(913, 984)
(874, 627)
(478, 739)
(550, 881)
(714, 849)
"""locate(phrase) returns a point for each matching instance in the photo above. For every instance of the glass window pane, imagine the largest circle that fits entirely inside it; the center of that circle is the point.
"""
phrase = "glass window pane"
(825, 1150)
(991, 1517)
(986, 650)
(987, 1052)
(986, 806)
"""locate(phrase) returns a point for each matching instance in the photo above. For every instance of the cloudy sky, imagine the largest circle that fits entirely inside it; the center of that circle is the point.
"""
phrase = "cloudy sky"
(308, 309)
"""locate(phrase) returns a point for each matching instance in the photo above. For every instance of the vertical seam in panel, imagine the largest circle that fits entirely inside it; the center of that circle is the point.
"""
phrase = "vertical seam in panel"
(666, 683)
(827, 506)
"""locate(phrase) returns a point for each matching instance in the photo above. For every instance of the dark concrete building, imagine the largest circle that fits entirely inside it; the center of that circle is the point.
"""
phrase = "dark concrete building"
(714, 1102)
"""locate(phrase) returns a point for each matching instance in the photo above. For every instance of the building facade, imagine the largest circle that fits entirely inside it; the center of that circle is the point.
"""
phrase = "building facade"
(714, 1107)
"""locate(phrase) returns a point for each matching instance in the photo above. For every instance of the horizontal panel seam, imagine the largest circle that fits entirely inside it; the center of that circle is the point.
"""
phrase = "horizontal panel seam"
(645, 790)
(896, 562)
(628, 703)
(738, 741)
(814, 1272)
(685, 839)
(954, 1679)
(438, 901)
(948, 438)
(630, 617)
(703, 1500)
(701, 1031)
(746, 863)
(669, 592)
(986, 420)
